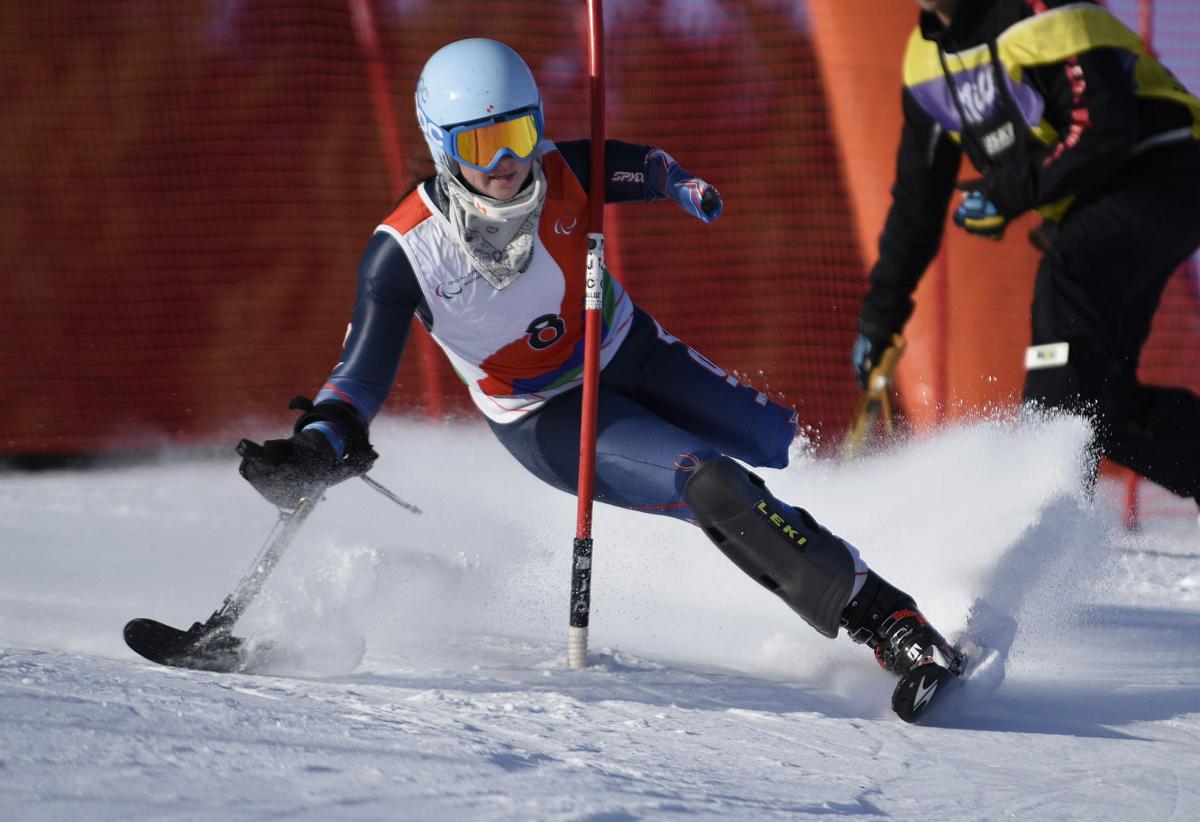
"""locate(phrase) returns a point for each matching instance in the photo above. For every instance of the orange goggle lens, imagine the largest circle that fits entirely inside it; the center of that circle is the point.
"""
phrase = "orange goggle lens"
(480, 146)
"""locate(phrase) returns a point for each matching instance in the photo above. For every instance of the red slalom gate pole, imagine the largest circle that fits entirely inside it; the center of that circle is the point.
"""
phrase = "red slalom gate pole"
(581, 553)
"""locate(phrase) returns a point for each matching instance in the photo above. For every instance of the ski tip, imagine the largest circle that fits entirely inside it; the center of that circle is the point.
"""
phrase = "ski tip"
(151, 639)
(196, 648)
(139, 627)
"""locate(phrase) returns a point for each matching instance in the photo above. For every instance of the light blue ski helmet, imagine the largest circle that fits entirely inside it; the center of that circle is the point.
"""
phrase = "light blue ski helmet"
(472, 83)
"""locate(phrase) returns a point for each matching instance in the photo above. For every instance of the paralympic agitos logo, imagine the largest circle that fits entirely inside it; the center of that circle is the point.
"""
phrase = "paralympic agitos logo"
(452, 288)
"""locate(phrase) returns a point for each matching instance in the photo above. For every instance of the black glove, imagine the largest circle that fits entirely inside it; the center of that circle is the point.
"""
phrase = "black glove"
(865, 355)
(886, 308)
(287, 470)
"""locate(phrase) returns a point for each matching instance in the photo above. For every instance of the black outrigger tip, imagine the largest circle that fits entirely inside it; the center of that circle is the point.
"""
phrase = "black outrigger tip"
(212, 645)
(208, 646)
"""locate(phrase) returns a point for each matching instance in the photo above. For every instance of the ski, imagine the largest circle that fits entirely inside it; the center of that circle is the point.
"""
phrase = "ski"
(921, 692)
(208, 646)
(212, 645)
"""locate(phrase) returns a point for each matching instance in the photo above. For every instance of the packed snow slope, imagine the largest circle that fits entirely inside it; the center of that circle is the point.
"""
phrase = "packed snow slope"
(420, 660)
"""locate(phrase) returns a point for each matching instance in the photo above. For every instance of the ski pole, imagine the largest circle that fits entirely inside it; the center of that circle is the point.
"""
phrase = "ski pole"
(211, 645)
(875, 403)
(407, 506)
(581, 550)
(281, 536)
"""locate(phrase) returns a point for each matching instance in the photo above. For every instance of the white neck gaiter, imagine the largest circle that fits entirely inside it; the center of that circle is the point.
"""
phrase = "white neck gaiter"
(496, 234)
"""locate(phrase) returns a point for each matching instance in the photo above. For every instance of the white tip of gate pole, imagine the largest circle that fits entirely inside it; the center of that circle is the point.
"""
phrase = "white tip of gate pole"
(577, 642)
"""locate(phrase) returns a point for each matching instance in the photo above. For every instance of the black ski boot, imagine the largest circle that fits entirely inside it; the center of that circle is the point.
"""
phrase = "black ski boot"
(886, 620)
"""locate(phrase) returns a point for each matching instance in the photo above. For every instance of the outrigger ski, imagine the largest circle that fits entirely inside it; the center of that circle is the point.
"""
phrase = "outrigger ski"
(208, 646)
(212, 645)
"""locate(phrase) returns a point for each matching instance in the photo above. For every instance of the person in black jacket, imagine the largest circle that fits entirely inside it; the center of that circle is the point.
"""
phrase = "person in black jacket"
(1061, 110)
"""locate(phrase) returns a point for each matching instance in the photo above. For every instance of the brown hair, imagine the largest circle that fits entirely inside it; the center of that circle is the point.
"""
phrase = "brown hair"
(420, 170)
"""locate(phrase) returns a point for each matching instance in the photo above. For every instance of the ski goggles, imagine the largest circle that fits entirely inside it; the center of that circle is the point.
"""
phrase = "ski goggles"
(482, 145)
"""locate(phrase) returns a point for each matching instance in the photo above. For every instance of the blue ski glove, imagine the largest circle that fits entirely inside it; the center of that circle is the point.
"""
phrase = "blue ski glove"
(696, 197)
(977, 214)
(666, 178)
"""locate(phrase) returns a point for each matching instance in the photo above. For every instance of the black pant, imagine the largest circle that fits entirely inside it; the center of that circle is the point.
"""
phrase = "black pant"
(1097, 289)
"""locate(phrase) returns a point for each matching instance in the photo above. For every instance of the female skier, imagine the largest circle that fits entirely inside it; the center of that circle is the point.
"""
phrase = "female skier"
(489, 253)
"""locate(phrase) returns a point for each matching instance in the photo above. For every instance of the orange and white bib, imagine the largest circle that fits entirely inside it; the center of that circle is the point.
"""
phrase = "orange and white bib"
(518, 347)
